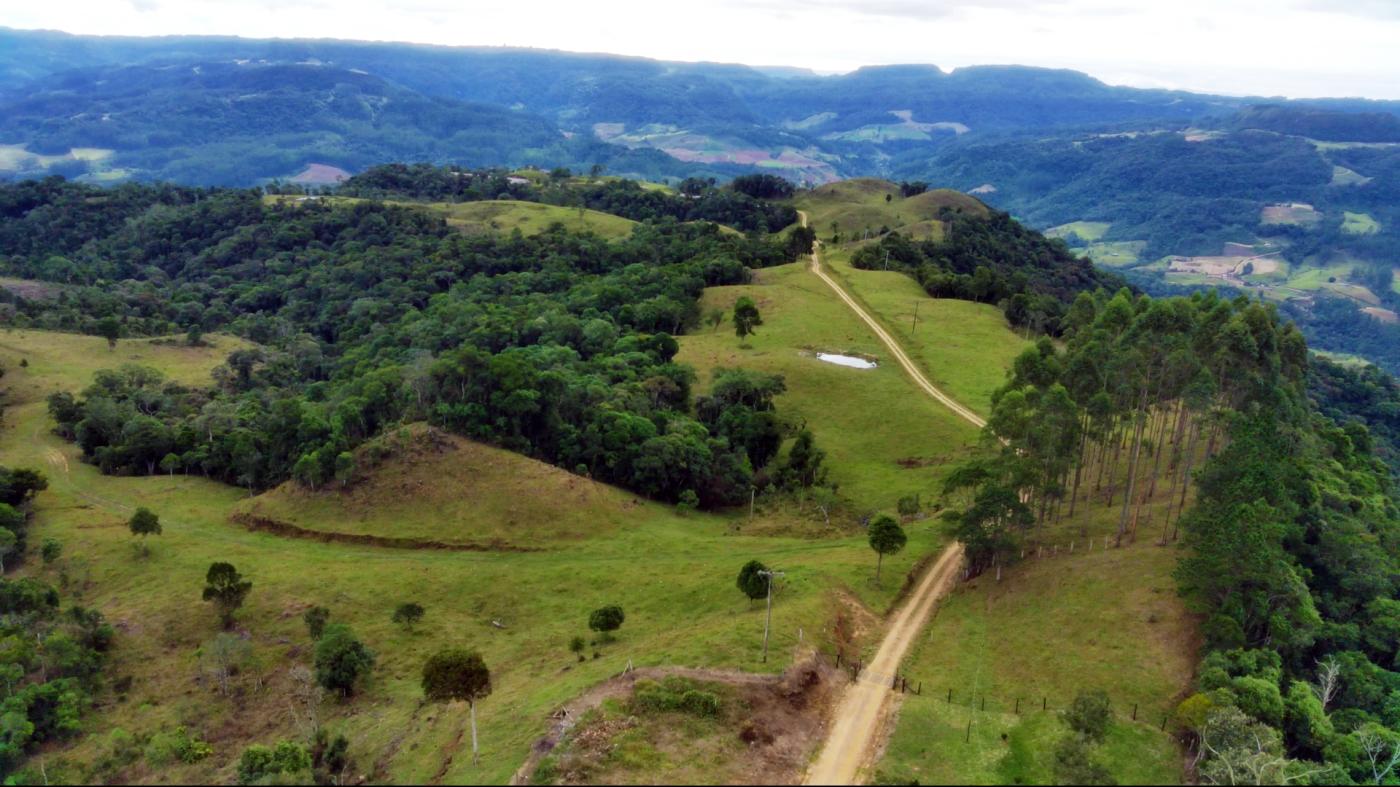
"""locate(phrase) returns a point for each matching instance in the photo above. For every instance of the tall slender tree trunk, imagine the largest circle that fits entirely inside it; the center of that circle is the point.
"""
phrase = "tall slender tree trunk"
(1160, 445)
(1079, 466)
(476, 752)
(1186, 473)
(1132, 467)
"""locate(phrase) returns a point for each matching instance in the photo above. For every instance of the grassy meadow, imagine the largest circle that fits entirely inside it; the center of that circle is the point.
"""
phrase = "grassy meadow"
(851, 207)
(673, 574)
(964, 348)
(1071, 616)
(883, 440)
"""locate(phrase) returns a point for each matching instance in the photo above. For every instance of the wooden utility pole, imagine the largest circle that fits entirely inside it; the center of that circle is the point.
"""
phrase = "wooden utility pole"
(768, 623)
(916, 318)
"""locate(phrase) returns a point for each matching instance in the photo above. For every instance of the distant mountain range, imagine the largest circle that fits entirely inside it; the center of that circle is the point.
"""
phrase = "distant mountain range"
(1296, 201)
(229, 110)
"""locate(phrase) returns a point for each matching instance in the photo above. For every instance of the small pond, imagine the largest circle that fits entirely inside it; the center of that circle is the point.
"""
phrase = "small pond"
(846, 360)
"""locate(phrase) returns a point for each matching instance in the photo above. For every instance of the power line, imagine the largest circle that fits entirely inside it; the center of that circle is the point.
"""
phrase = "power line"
(768, 623)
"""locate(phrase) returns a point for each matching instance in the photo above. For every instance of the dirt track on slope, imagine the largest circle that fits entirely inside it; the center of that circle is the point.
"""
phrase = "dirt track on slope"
(860, 716)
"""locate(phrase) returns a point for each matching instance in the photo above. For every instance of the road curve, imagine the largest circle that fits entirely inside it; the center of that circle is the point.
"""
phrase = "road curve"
(889, 342)
(859, 717)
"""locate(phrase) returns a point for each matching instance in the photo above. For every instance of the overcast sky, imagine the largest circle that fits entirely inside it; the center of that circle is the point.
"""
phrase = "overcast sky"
(1292, 48)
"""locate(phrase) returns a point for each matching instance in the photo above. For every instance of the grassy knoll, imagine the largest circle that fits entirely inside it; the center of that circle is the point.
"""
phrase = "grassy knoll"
(855, 206)
(438, 487)
(674, 576)
(964, 348)
(1088, 230)
(1316, 278)
(530, 218)
(882, 440)
(1056, 623)
(1341, 176)
(1359, 223)
(1117, 254)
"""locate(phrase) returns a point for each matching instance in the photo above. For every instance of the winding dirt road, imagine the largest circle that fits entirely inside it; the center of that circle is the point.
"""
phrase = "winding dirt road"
(889, 342)
(860, 716)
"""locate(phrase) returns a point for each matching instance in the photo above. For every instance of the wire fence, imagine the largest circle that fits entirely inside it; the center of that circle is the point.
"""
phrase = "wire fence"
(985, 703)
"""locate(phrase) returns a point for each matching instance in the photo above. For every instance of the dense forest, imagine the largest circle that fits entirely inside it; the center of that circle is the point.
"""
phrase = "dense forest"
(369, 314)
(1293, 539)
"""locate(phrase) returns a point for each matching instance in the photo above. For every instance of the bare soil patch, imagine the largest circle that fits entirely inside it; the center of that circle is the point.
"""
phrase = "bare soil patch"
(764, 732)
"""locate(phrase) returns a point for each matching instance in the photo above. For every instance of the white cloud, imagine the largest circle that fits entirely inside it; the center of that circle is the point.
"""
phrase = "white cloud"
(1267, 47)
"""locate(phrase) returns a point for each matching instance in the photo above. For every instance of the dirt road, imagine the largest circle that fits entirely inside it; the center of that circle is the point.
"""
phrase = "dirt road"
(860, 716)
(861, 713)
(889, 342)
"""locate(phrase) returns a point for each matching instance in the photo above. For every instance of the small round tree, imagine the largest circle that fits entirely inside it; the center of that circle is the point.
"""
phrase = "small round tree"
(144, 523)
(886, 538)
(605, 621)
(341, 659)
(408, 614)
(746, 317)
(51, 550)
(226, 588)
(110, 328)
(751, 580)
(457, 674)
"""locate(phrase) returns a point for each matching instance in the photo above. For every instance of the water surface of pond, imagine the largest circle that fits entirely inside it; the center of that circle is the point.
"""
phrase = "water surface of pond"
(846, 360)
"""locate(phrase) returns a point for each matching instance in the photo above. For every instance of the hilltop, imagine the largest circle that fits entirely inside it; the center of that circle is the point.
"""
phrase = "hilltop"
(864, 207)
(418, 486)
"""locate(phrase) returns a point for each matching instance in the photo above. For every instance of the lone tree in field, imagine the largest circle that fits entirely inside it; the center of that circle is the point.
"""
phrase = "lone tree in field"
(459, 675)
(408, 614)
(341, 659)
(110, 329)
(224, 586)
(144, 523)
(886, 538)
(751, 580)
(605, 621)
(746, 317)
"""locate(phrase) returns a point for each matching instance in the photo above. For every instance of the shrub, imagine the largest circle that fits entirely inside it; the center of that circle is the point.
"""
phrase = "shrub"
(700, 703)
(1089, 715)
(674, 695)
(165, 748)
(261, 764)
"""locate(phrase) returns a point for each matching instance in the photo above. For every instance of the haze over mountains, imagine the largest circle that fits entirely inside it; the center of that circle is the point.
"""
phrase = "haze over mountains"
(61, 92)
(1177, 189)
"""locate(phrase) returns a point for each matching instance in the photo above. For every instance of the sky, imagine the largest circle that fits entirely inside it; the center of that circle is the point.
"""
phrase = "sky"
(1293, 48)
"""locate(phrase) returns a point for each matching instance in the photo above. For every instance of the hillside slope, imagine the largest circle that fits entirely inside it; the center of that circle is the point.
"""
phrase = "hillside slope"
(421, 485)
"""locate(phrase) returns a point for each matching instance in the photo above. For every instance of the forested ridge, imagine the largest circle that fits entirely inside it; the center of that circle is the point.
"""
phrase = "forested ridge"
(370, 314)
(695, 199)
(1292, 540)
(992, 260)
